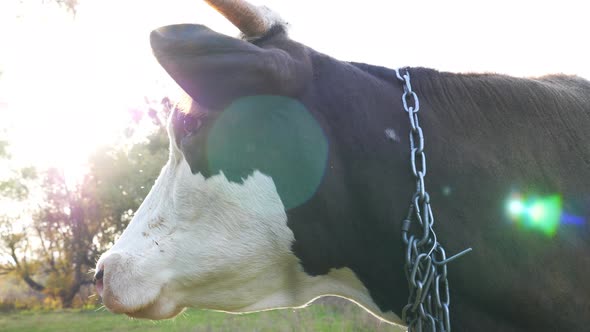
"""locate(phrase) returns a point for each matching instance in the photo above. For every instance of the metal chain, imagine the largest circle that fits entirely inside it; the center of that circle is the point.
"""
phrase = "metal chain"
(425, 259)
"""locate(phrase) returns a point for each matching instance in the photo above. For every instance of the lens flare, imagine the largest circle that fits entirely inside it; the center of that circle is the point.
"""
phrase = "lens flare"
(515, 207)
(275, 135)
(568, 219)
(540, 214)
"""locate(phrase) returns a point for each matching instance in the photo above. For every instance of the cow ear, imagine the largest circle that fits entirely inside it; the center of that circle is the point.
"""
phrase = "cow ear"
(216, 69)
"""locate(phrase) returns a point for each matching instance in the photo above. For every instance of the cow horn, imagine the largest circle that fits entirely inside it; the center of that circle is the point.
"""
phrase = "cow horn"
(250, 19)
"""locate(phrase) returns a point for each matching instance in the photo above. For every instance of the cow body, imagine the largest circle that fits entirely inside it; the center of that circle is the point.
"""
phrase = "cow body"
(280, 190)
(499, 135)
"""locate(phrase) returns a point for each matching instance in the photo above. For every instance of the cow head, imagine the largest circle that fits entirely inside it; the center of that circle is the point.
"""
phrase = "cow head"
(213, 232)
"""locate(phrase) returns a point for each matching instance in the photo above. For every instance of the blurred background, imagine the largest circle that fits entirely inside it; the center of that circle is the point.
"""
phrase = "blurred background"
(83, 105)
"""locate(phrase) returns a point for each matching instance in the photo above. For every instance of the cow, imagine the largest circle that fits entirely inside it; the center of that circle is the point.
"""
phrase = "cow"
(288, 179)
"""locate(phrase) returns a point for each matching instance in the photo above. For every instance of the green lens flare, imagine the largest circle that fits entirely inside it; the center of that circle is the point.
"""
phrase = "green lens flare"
(275, 135)
(537, 214)
(515, 207)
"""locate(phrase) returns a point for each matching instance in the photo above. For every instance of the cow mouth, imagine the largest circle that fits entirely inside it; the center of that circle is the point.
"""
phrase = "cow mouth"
(156, 310)
(156, 307)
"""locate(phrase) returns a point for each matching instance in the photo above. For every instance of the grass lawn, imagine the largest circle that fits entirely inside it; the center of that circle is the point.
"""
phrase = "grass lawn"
(333, 316)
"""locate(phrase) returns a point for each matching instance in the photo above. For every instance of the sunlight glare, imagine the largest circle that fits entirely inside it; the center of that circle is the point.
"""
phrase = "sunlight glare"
(67, 83)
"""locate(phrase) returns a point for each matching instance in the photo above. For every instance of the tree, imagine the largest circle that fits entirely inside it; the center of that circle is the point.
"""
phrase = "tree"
(16, 247)
(3, 145)
(14, 188)
(74, 225)
(121, 177)
(15, 184)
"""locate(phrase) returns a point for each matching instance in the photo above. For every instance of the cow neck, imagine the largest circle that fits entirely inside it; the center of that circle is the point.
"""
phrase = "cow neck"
(354, 218)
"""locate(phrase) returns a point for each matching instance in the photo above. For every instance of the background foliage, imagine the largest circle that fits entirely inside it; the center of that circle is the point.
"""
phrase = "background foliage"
(54, 252)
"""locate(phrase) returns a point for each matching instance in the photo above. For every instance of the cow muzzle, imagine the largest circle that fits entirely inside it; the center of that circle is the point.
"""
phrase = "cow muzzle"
(128, 288)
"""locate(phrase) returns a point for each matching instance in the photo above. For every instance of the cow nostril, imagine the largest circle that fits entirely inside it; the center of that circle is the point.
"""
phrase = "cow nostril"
(99, 275)
(98, 281)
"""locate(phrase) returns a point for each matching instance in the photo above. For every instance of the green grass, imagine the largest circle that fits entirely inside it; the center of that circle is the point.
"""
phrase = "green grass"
(336, 316)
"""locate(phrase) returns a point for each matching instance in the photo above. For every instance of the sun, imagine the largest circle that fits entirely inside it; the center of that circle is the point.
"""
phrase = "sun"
(66, 85)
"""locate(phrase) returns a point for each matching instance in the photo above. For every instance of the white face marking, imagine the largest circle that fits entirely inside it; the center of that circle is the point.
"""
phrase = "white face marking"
(213, 244)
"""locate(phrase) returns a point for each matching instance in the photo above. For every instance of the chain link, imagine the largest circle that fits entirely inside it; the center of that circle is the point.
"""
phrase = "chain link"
(425, 259)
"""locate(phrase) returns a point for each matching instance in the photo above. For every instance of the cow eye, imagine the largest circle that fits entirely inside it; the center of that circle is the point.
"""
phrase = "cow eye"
(190, 124)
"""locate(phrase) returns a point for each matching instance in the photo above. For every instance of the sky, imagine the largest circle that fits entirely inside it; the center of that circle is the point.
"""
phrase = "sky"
(67, 82)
